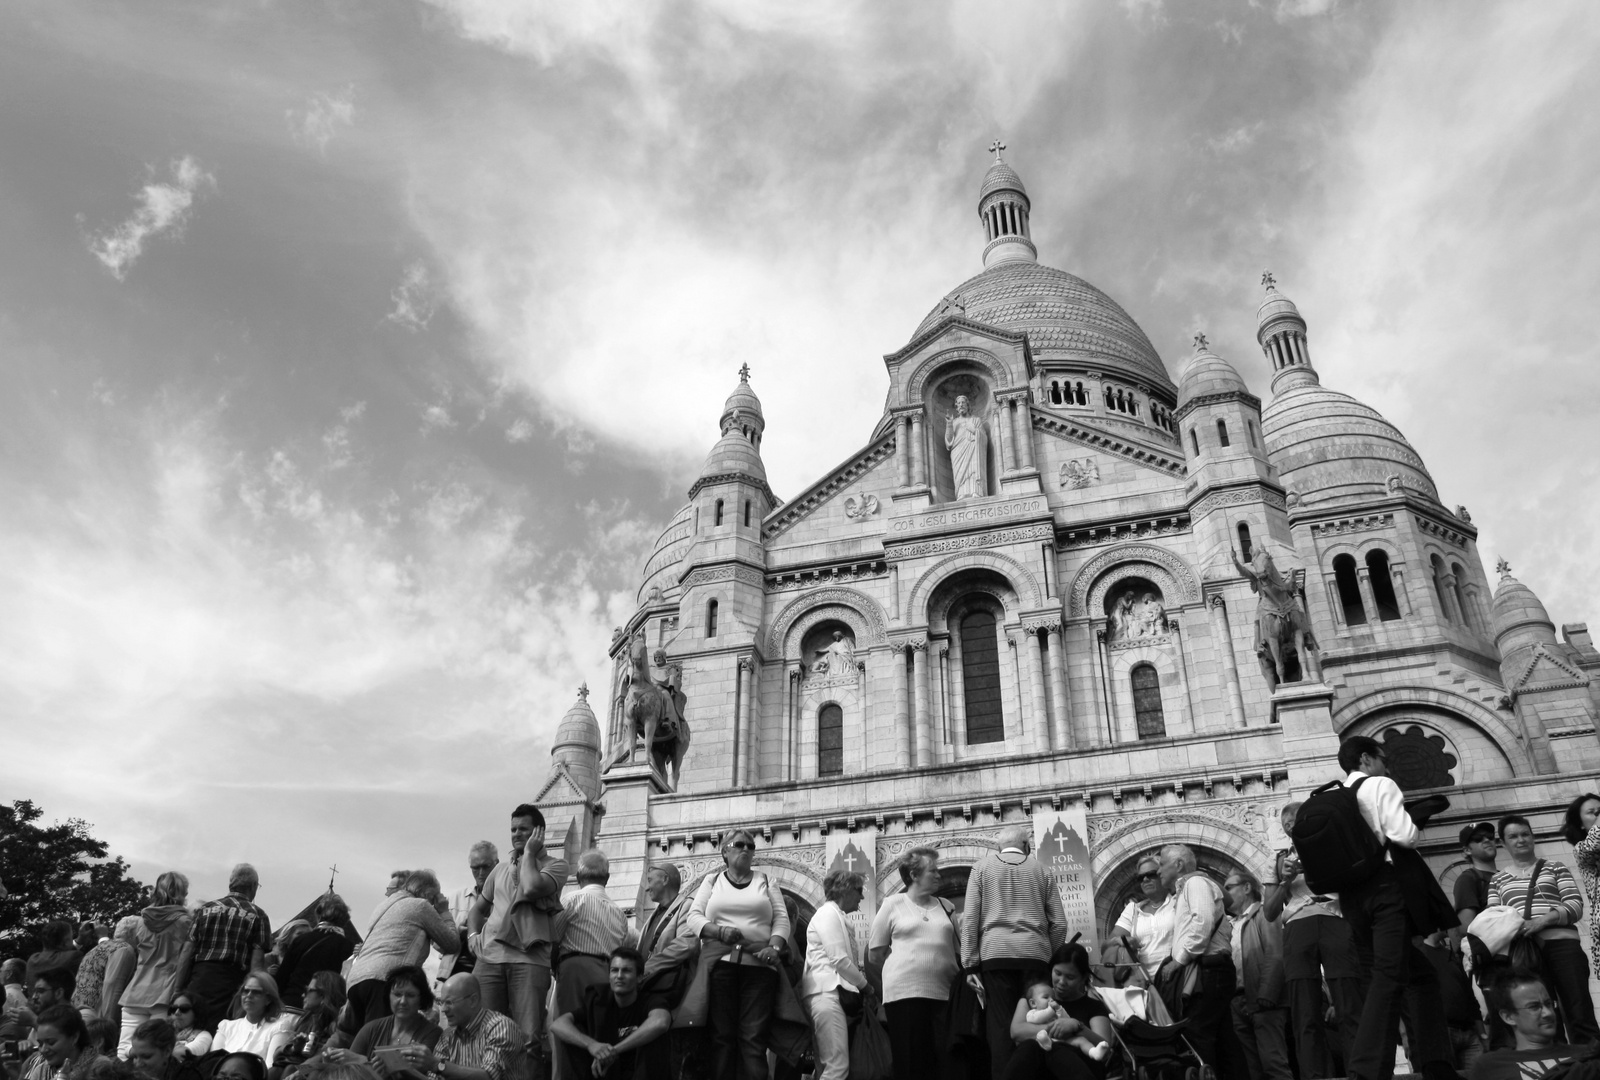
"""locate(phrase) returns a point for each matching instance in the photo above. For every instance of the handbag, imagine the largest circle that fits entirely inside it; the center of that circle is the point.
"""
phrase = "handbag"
(871, 1057)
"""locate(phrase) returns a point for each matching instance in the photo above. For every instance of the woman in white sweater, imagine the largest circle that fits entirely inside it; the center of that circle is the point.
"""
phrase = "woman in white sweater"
(833, 984)
(741, 910)
(911, 954)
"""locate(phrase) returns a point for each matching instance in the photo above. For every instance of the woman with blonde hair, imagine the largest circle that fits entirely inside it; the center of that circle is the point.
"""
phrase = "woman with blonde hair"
(158, 943)
(403, 927)
(911, 958)
(264, 1027)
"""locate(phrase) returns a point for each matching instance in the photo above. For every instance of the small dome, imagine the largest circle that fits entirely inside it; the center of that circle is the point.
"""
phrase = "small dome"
(1276, 306)
(578, 730)
(1515, 606)
(1001, 177)
(743, 399)
(1207, 374)
(661, 568)
(734, 454)
(1330, 448)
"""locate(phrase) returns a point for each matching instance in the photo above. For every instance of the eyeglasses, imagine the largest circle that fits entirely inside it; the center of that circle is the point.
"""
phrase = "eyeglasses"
(1538, 1006)
(184, 1008)
(742, 845)
(1151, 876)
(246, 991)
(1236, 885)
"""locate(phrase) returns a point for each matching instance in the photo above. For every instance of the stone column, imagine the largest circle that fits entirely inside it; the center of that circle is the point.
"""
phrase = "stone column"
(1230, 664)
(919, 452)
(922, 723)
(902, 450)
(1452, 610)
(941, 673)
(1397, 571)
(1035, 668)
(902, 714)
(1368, 601)
(1002, 431)
(1058, 688)
(1025, 430)
(958, 698)
(747, 750)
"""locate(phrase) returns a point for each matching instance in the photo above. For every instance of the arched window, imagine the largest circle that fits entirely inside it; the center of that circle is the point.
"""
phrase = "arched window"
(717, 518)
(1147, 702)
(830, 741)
(1382, 585)
(1055, 393)
(1081, 396)
(747, 513)
(1457, 575)
(980, 676)
(1194, 438)
(1250, 429)
(711, 619)
(1344, 579)
(1436, 565)
(1222, 432)
(1245, 551)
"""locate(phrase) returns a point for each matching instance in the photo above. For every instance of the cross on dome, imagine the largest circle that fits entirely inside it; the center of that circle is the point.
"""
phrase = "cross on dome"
(1200, 341)
(995, 148)
(1268, 280)
(744, 372)
(1502, 567)
(583, 692)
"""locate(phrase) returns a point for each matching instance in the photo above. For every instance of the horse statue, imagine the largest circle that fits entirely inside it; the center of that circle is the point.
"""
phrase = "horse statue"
(1281, 621)
(653, 710)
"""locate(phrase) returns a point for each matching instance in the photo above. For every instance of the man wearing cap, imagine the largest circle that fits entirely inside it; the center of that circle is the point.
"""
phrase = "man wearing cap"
(1472, 887)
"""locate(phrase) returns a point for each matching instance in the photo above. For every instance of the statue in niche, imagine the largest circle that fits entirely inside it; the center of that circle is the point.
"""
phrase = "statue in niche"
(1136, 615)
(966, 439)
(1281, 621)
(839, 658)
(653, 711)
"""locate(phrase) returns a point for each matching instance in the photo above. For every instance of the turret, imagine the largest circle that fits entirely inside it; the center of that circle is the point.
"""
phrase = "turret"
(572, 786)
(1281, 333)
(1003, 208)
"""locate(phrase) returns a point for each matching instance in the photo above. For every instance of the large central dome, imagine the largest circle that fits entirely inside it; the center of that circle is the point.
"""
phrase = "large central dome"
(1063, 316)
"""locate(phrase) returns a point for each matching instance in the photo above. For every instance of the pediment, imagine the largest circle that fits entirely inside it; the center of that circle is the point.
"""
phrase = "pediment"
(560, 787)
(849, 486)
(1084, 432)
(1545, 670)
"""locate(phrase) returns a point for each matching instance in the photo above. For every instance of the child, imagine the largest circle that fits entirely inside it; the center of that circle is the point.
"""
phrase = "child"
(1044, 1009)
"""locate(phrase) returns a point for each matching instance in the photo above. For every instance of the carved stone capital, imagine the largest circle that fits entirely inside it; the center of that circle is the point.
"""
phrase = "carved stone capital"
(747, 663)
(919, 644)
(1218, 602)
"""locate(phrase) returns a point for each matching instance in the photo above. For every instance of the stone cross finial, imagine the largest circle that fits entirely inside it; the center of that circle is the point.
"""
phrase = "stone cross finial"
(1502, 567)
(1200, 341)
(744, 373)
(995, 148)
(1268, 280)
(583, 692)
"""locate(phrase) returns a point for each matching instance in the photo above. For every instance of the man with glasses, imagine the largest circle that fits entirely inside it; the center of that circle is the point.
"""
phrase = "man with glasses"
(1472, 887)
(1385, 913)
(1259, 1017)
(481, 859)
(480, 1044)
(1528, 1010)
(229, 939)
(52, 986)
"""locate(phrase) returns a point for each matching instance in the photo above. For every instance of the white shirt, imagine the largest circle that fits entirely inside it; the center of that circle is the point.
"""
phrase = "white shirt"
(1383, 808)
(242, 1037)
(922, 948)
(590, 922)
(1151, 932)
(1197, 928)
(830, 954)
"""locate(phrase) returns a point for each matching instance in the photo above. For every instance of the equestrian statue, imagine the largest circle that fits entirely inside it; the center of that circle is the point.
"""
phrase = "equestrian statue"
(1281, 621)
(653, 710)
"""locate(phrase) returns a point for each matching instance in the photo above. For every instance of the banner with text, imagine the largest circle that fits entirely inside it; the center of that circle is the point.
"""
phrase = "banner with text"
(855, 852)
(1061, 839)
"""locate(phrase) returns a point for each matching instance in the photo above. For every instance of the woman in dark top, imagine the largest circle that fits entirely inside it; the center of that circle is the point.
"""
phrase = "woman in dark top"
(324, 947)
(409, 996)
(1086, 1016)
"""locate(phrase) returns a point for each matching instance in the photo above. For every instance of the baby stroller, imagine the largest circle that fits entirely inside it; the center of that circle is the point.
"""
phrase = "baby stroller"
(1153, 1046)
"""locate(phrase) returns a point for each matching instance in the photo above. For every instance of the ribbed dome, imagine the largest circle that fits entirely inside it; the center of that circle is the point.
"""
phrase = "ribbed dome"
(1276, 306)
(1515, 606)
(578, 730)
(743, 400)
(1206, 374)
(1328, 447)
(661, 568)
(734, 454)
(1063, 316)
(1001, 177)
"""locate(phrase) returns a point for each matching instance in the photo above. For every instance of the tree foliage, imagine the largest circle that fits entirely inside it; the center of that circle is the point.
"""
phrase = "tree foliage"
(57, 871)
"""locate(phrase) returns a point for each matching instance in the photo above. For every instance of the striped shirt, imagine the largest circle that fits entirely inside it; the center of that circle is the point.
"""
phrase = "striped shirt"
(1555, 890)
(225, 930)
(1013, 911)
(590, 923)
(489, 1041)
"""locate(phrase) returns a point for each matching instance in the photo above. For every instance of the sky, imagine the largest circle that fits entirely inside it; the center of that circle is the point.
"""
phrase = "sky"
(355, 353)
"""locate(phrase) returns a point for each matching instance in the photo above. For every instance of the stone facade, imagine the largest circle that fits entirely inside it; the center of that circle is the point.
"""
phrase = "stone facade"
(1079, 634)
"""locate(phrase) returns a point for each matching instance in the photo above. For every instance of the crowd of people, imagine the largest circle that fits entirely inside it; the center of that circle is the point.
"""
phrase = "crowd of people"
(537, 980)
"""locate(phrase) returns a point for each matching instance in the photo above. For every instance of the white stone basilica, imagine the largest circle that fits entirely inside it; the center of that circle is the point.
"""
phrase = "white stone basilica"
(1020, 595)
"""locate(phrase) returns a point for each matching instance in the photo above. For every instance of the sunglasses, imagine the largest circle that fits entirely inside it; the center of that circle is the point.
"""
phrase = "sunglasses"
(1151, 876)
(183, 1008)
(742, 845)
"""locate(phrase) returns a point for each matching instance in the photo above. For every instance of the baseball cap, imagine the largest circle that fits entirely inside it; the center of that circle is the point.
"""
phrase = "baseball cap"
(1469, 833)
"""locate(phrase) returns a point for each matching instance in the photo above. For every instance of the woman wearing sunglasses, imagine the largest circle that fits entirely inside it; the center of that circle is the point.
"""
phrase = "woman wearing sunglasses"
(744, 936)
(1145, 928)
(263, 1028)
(193, 1041)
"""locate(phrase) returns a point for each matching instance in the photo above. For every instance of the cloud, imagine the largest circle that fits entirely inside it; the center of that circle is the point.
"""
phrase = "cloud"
(437, 418)
(412, 302)
(521, 430)
(1239, 139)
(163, 208)
(323, 116)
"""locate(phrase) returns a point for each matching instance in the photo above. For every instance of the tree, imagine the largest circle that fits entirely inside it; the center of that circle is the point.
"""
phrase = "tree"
(58, 871)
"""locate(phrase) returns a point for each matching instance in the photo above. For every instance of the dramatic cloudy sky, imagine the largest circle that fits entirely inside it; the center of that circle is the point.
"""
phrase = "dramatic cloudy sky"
(355, 352)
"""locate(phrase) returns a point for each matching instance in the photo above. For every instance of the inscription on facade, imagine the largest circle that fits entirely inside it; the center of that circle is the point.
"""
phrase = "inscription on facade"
(957, 516)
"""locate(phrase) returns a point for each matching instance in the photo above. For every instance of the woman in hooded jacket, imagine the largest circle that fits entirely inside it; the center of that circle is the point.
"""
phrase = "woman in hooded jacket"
(158, 942)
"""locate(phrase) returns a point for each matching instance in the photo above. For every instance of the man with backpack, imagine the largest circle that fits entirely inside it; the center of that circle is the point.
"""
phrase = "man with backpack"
(1356, 839)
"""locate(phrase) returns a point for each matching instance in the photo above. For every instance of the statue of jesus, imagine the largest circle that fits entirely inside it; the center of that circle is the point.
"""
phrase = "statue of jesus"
(965, 437)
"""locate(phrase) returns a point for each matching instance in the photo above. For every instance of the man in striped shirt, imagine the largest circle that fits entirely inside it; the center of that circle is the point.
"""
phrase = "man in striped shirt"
(588, 928)
(1012, 921)
(480, 1044)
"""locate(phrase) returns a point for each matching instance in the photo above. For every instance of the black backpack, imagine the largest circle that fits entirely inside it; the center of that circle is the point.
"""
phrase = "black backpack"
(1336, 846)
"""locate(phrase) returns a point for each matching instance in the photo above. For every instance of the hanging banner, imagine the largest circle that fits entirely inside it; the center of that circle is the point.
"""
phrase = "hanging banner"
(856, 852)
(1060, 839)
